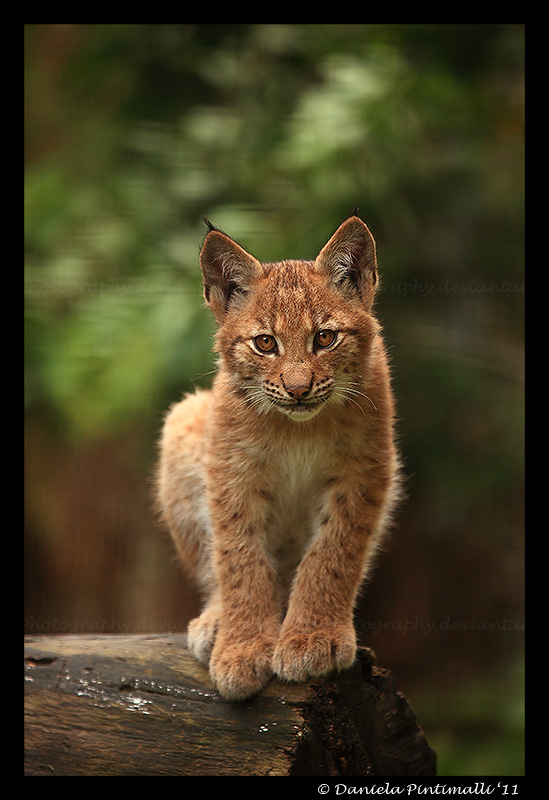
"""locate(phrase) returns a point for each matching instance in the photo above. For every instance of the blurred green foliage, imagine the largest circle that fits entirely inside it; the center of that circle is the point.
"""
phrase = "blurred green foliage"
(135, 132)
(275, 132)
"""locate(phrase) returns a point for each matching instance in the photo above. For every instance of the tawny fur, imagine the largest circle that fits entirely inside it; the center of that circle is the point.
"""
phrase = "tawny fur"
(277, 484)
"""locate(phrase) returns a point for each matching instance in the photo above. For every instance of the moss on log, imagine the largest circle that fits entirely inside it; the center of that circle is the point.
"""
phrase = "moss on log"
(141, 705)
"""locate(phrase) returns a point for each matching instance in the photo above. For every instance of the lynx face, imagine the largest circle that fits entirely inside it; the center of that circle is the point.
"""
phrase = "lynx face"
(300, 352)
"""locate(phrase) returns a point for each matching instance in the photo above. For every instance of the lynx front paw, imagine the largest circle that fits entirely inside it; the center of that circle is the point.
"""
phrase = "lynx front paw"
(241, 670)
(302, 655)
(201, 633)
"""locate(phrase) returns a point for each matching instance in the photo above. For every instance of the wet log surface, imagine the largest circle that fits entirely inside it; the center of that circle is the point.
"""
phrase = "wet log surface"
(141, 705)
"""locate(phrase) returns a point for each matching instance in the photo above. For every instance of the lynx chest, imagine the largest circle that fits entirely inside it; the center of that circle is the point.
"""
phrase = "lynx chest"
(301, 479)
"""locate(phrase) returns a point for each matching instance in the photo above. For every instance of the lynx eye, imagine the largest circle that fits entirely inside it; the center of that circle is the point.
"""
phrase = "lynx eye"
(324, 338)
(265, 343)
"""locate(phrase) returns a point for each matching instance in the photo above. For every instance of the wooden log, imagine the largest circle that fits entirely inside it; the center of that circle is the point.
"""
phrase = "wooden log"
(141, 705)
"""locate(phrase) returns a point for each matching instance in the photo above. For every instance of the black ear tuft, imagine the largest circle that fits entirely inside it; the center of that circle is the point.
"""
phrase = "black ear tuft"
(209, 225)
(354, 212)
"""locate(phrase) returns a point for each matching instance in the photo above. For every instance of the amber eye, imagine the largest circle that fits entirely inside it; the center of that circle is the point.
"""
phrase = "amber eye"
(265, 343)
(325, 338)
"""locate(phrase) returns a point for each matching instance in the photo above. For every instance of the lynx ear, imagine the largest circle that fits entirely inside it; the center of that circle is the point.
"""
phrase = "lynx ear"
(228, 272)
(350, 259)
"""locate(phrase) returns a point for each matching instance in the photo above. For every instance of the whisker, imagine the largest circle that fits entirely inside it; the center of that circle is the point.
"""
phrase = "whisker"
(245, 401)
(256, 398)
(203, 375)
(354, 402)
(348, 389)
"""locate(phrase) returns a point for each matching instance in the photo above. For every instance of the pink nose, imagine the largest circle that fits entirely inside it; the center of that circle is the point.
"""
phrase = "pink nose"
(298, 392)
(299, 384)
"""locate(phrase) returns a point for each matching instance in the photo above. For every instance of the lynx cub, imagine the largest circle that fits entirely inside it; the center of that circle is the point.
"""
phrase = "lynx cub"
(277, 484)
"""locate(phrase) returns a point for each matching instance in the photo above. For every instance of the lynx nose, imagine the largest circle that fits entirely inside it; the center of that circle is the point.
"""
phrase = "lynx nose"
(298, 390)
